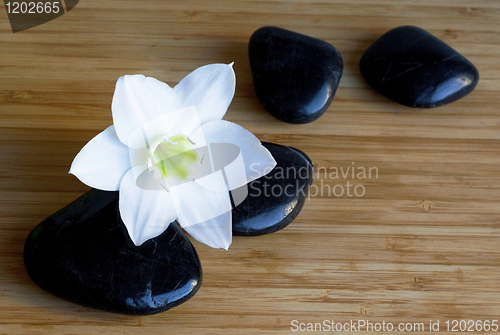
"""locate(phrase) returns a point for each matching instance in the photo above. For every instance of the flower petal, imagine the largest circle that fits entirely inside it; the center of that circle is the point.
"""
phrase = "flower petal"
(138, 100)
(183, 121)
(205, 213)
(216, 233)
(102, 162)
(256, 162)
(210, 88)
(145, 213)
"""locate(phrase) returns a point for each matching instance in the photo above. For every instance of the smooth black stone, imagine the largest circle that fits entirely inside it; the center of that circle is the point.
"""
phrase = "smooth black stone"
(275, 200)
(295, 76)
(83, 254)
(416, 69)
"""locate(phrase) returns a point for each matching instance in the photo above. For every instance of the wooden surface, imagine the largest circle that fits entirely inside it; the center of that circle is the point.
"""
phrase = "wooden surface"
(421, 244)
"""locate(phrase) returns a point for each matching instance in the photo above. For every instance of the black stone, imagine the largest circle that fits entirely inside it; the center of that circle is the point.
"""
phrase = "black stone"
(264, 212)
(295, 76)
(416, 69)
(83, 254)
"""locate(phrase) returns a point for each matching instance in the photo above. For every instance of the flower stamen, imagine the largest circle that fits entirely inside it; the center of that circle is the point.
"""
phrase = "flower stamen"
(169, 141)
(165, 188)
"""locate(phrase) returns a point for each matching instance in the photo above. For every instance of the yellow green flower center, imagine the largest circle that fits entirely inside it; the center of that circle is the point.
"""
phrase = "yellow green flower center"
(174, 156)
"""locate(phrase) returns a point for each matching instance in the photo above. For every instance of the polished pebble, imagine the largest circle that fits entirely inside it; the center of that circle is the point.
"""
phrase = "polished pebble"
(416, 69)
(274, 200)
(83, 254)
(295, 76)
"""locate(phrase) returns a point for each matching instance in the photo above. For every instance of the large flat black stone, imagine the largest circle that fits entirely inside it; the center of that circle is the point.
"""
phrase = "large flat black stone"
(295, 76)
(83, 254)
(416, 69)
(275, 200)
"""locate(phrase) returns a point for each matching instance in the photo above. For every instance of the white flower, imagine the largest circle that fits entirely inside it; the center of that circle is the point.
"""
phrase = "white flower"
(159, 149)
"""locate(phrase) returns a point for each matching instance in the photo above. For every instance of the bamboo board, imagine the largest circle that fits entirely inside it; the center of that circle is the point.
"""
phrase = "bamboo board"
(421, 244)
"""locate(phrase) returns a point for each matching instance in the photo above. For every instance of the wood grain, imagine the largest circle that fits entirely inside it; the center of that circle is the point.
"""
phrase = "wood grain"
(421, 244)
